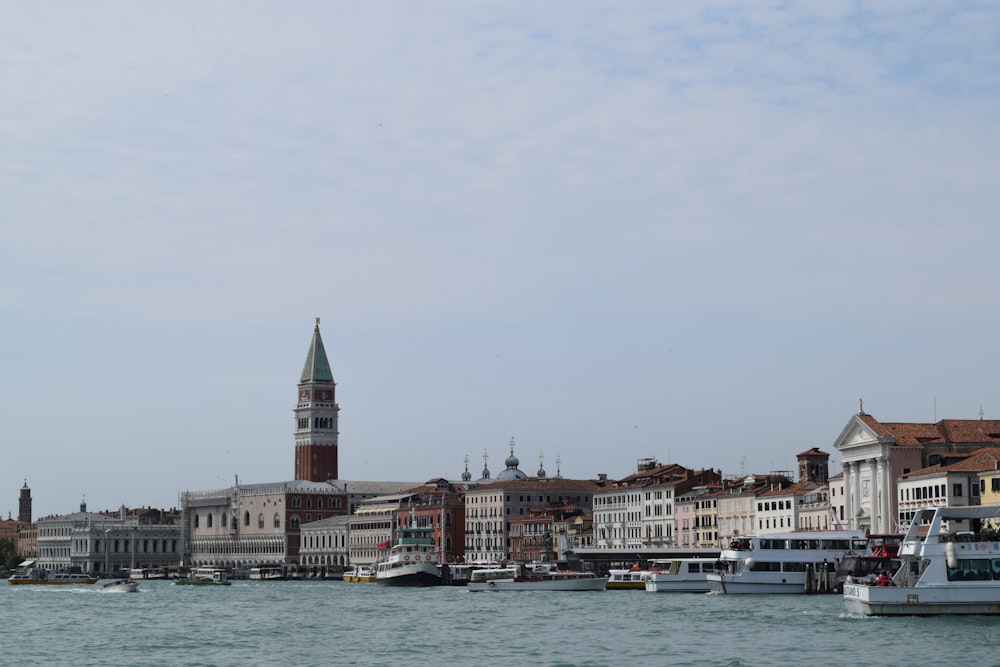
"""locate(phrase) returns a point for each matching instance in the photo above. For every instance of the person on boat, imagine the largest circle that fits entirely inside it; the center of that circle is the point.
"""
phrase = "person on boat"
(883, 579)
(850, 577)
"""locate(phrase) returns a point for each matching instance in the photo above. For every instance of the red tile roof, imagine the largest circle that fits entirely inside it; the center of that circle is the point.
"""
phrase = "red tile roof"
(946, 431)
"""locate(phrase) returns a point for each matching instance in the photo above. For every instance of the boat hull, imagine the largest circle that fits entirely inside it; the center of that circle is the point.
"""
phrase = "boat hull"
(188, 582)
(596, 584)
(864, 600)
(121, 587)
(677, 586)
(28, 582)
(781, 583)
(412, 578)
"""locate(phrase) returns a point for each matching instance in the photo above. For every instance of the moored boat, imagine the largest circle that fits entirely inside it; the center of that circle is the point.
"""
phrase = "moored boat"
(534, 577)
(267, 573)
(801, 561)
(411, 560)
(29, 573)
(204, 576)
(679, 575)
(360, 574)
(949, 564)
(626, 580)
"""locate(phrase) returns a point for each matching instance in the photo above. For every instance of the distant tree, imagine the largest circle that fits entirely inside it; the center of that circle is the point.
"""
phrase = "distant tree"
(9, 557)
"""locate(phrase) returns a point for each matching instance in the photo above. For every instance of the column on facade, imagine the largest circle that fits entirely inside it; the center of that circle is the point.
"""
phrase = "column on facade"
(849, 494)
(875, 488)
(885, 496)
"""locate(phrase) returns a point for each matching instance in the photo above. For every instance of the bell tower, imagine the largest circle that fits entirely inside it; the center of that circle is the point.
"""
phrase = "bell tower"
(814, 466)
(24, 504)
(316, 417)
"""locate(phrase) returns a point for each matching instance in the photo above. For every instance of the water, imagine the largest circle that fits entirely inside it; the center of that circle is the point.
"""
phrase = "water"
(336, 623)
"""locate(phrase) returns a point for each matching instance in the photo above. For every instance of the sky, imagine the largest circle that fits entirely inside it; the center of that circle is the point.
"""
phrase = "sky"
(694, 231)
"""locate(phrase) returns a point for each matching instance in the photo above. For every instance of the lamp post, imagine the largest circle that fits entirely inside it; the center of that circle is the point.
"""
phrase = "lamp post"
(107, 553)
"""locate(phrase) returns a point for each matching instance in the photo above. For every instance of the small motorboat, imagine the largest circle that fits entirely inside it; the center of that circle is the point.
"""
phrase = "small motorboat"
(121, 586)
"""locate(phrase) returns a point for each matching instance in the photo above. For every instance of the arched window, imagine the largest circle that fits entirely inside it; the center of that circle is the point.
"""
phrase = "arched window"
(210, 520)
(277, 520)
(294, 525)
(246, 518)
(196, 521)
(260, 521)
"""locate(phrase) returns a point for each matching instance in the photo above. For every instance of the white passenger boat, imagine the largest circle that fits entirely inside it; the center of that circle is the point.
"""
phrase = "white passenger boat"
(801, 561)
(626, 580)
(267, 573)
(679, 575)
(360, 574)
(412, 560)
(950, 565)
(29, 573)
(205, 576)
(534, 577)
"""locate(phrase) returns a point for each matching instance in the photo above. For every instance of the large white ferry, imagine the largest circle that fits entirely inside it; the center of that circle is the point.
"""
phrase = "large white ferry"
(800, 561)
(411, 560)
(679, 575)
(534, 577)
(950, 565)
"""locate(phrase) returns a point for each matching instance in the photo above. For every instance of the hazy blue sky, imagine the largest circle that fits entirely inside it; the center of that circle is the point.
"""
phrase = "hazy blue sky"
(695, 231)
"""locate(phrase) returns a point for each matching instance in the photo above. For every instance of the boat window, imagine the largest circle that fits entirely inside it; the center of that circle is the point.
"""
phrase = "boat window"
(765, 566)
(971, 569)
(996, 568)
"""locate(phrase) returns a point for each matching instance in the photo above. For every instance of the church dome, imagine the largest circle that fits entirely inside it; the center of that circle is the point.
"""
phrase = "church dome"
(512, 471)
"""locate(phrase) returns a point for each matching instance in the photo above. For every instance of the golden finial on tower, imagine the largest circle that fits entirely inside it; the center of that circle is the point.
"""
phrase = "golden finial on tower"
(317, 321)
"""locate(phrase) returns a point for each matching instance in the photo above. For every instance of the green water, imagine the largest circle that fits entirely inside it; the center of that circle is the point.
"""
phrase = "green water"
(336, 623)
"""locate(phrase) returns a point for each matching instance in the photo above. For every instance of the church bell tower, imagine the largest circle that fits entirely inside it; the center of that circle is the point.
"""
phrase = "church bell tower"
(24, 504)
(316, 417)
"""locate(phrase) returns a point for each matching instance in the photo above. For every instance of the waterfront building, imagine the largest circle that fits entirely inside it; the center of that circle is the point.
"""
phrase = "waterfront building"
(638, 511)
(706, 517)
(779, 508)
(572, 531)
(686, 509)
(549, 533)
(838, 500)
(737, 504)
(491, 505)
(323, 550)
(989, 486)
(249, 525)
(438, 504)
(104, 543)
(954, 485)
(876, 454)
